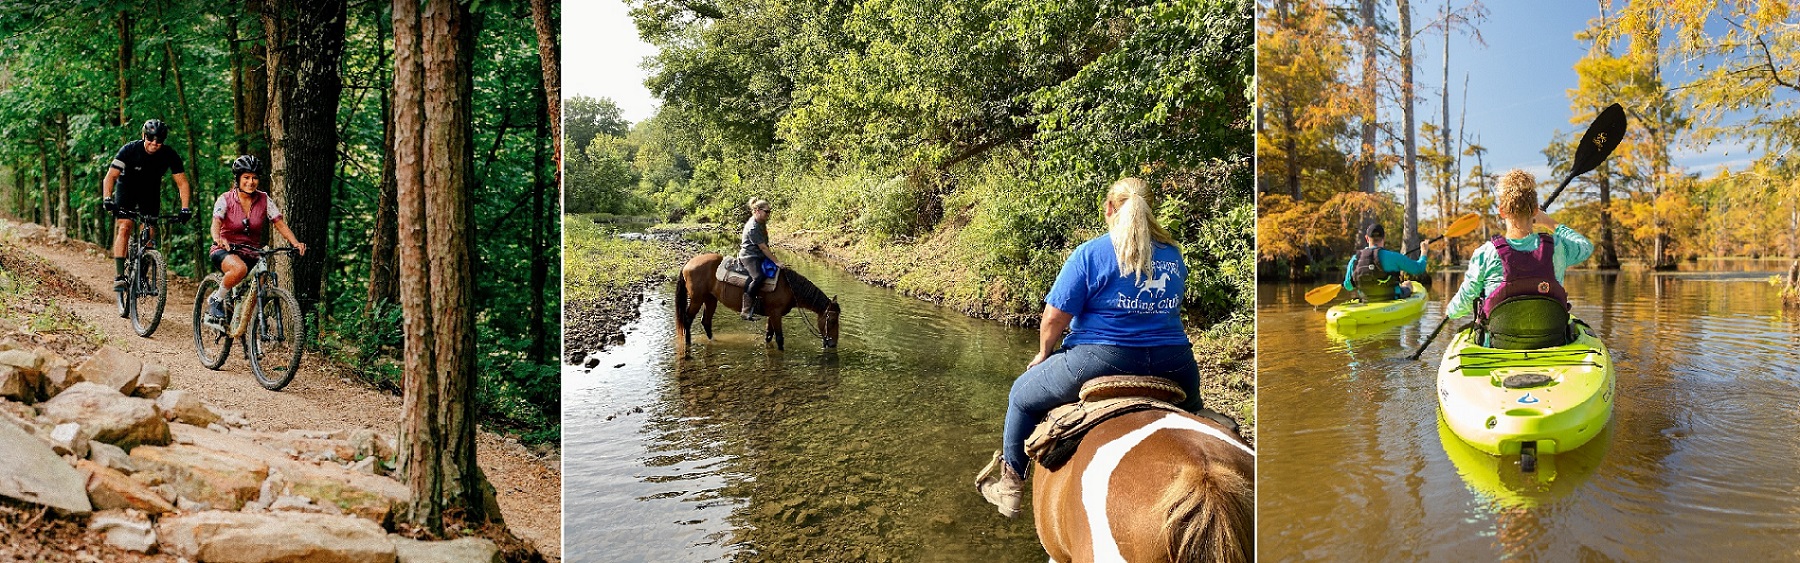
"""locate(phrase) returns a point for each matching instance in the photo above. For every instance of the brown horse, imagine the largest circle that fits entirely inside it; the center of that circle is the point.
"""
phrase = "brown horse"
(698, 280)
(1150, 486)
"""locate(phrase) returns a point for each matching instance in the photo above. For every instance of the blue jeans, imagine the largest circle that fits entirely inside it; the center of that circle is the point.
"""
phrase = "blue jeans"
(1057, 381)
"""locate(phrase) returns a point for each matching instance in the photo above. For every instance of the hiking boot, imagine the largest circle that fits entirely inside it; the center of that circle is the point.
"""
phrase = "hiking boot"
(215, 310)
(749, 309)
(1001, 486)
(119, 283)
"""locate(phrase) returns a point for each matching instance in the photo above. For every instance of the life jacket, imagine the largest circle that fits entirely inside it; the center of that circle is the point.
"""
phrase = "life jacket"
(1526, 274)
(1373, 284)
(1530, 308)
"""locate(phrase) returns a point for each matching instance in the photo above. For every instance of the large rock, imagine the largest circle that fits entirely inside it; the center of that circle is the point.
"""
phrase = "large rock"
(460, 550)
(109, 416)
(112, 368)
(374, 497)
(369, 443)
(31, 472)
(110, 456)
(23, 359)
(17, 384)
(152, 381)
(67, 439)
(57, 374)
(217, 478)
(236, 537)
(178, 405)
(109, 489)
(129, 530)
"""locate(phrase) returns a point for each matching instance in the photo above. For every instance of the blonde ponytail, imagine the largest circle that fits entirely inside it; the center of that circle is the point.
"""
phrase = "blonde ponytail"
(1134, 228)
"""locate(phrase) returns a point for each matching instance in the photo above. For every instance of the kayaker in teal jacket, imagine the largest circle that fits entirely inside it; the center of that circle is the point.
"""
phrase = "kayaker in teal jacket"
(1378, 278)
(1534, 270)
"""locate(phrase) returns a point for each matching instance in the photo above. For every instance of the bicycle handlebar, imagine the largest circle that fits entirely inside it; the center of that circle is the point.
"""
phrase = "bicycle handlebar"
(129, 214)
(265, 252)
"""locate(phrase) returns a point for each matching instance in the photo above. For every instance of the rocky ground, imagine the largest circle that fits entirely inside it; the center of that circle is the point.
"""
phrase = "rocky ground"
(205, 462)
(592, 324)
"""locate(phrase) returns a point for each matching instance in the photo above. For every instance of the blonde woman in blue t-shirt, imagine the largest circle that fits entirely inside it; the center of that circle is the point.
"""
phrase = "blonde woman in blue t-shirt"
(1119, 296)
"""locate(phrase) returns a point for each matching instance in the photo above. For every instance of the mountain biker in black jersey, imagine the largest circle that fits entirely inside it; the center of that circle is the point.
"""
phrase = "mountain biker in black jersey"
(134, 183)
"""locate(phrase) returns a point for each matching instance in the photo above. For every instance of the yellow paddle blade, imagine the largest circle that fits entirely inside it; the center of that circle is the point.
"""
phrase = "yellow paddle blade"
(1463, 225)
(1323, 294)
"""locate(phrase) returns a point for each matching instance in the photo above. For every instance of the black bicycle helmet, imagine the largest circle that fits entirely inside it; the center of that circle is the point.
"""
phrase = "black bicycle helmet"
(156, 130)
(246, 163)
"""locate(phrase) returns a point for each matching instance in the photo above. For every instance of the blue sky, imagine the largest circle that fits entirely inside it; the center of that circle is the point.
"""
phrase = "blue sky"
(1518, 84)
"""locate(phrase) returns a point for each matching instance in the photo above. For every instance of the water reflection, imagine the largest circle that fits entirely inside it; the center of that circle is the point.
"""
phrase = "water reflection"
(1697, 462)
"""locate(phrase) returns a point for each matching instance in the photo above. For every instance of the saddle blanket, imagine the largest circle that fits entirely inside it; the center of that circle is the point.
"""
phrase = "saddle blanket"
(1055, 439)
(732, 271)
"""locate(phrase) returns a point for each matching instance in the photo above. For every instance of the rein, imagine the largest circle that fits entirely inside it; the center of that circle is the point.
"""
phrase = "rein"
(816, 298)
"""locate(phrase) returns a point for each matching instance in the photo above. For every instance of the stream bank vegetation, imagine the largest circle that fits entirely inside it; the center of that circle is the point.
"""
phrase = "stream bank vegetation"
(955, 151)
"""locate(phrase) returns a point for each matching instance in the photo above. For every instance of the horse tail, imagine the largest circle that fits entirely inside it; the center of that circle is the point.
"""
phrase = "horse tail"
(1210, 515)
(681, 301)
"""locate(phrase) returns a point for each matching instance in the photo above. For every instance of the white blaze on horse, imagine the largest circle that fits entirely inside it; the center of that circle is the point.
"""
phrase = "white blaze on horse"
(1148, 485)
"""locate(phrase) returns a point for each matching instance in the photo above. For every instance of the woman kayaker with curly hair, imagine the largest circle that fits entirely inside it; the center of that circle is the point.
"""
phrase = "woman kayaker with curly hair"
(1520, 263)
(1119, 296)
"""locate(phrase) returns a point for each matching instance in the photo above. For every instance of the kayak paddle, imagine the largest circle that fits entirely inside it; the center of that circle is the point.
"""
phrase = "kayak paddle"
(1323, 294)
(1461, 226)
(1602, 136)
(1598, 143)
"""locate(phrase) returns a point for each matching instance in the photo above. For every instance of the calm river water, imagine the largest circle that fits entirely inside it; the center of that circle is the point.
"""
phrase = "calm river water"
(1699, 462)
(744, 453)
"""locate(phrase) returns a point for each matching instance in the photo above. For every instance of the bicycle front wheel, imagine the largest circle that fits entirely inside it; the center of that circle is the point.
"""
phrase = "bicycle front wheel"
(276, 338)
(211, 342)
(149, 281)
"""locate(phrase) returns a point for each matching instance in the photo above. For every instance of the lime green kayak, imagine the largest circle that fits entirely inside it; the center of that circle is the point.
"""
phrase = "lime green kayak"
(1503, 484)
(1346, 315)
(1543, 401)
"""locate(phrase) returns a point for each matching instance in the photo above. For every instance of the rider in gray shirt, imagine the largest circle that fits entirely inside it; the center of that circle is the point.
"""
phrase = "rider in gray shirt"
(753, 250)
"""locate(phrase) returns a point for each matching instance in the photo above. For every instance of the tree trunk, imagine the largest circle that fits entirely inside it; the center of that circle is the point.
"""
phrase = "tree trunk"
(1446, 200)
(1410, 231)
(541, 251)
(65, 217)
(383, 269)
(305, 41)
(1365, 174)
(196, 252)
(44, 173)
(550, 58)
(250, 68)
(433, 152)
(124, 66)
(1607, 256)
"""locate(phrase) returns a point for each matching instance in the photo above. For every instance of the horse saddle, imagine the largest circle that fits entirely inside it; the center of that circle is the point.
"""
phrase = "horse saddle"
(732, 271)
(1054, 440)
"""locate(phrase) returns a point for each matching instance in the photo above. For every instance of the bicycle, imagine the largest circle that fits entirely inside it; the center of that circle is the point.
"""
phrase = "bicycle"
(262, 316)
(146, 274)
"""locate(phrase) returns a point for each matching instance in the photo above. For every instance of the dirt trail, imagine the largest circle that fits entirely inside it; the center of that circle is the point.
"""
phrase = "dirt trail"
(320, 397)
